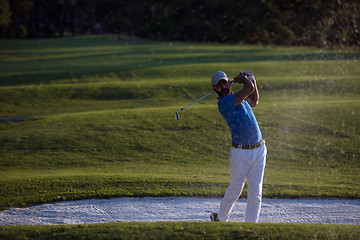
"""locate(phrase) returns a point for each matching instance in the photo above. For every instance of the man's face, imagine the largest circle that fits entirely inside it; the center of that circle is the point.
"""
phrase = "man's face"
(222, 88)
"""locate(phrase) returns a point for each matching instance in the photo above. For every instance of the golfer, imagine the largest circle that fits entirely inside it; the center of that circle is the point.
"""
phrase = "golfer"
(248, 152)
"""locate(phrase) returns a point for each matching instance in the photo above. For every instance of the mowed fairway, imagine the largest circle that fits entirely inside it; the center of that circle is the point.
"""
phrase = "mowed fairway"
(99, 119)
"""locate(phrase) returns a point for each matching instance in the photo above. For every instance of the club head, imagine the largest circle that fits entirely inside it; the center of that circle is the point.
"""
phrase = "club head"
(176, 116)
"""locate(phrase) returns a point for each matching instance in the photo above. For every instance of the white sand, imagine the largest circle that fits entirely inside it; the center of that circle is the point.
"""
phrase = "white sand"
(331, 211)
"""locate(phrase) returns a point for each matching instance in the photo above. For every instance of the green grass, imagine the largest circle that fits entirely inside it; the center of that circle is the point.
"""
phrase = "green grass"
(183, 230)
(101, 119)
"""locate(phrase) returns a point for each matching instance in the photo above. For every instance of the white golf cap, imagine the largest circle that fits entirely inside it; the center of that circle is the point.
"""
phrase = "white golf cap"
(217, 76)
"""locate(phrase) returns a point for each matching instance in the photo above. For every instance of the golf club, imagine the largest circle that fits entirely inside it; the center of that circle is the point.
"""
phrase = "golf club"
(247, 73)
(177, 112)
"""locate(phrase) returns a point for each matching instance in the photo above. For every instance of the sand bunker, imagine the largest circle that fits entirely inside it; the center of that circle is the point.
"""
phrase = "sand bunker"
(149, 209)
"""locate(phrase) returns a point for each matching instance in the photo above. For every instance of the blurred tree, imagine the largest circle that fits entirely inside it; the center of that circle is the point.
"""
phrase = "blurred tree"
(5, 16)
(20, 15)
(300, 22)
(344, 26)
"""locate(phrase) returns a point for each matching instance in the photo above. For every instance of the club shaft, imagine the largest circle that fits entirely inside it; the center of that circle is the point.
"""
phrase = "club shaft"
(176, 113)
(195, 101)
(198, 100)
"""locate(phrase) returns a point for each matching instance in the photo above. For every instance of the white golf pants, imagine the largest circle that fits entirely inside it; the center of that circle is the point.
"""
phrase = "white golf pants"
(250, 165)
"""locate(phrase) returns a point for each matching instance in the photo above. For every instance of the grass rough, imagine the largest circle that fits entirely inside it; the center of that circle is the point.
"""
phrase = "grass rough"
(98, 119)
(182, 230)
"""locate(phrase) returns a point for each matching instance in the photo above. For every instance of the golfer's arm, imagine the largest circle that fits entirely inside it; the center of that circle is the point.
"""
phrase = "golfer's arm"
(253, 99)
(247, 90)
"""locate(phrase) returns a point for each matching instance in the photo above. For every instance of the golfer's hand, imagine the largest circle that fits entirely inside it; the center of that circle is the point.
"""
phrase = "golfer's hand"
(240, 78)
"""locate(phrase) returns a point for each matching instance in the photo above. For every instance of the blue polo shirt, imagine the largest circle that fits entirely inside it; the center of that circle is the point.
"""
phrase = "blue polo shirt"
(240, 119)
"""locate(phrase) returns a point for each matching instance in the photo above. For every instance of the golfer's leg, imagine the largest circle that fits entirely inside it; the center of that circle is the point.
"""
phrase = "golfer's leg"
(254, 185)
(238, 169)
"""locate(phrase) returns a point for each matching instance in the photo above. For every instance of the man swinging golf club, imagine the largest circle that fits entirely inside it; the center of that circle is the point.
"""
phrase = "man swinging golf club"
(248, 152)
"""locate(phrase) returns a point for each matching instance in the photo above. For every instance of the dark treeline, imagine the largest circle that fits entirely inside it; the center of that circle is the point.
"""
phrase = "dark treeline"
(284, 22)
